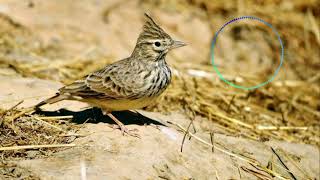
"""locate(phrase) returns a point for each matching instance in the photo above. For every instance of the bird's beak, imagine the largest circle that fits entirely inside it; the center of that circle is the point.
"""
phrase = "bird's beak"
(177, 44)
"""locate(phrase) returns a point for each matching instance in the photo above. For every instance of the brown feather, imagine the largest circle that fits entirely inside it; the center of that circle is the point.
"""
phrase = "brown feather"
(130, 83)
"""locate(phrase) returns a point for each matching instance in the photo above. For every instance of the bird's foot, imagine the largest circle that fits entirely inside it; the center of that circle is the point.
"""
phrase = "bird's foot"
(125, 130)
(122, 127)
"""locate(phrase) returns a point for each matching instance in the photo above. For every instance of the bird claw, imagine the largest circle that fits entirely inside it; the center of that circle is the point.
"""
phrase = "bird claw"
(125, 130)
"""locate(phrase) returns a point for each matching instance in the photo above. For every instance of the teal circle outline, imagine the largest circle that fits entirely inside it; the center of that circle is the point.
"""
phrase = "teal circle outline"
(238, 86)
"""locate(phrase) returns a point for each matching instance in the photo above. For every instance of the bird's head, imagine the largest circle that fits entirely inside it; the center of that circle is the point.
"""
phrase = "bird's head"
(153, 42)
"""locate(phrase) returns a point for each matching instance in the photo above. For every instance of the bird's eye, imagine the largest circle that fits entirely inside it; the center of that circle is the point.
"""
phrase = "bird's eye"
(157, 43)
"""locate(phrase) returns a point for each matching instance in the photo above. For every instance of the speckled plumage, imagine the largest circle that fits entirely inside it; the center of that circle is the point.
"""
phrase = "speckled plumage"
(131, 83)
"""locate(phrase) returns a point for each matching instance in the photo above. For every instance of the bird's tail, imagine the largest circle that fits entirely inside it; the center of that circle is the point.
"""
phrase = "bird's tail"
(53, 99)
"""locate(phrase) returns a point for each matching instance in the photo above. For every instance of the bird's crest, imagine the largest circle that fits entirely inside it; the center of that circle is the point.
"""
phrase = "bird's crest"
(151, 30)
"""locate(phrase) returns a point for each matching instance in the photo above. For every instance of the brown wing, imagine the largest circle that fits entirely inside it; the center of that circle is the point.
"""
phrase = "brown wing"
(112, 82)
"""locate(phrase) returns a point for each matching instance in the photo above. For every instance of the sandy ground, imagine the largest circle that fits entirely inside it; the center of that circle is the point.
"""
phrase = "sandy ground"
(53, 34)
(105, 153)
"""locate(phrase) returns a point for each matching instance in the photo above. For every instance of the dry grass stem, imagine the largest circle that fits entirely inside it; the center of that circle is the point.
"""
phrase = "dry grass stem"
(13, 148)
(48, 124)
(283, 164)
(285, 128)
(242, 158)
(55, 117)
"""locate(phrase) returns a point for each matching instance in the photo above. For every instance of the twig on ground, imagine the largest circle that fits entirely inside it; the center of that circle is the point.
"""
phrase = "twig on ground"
(250, 161)
(23, 112)
(233, 120)
(283, 164)
(258, 174)
(217, 175)
(55, 117)
(6, 111)
(50, 125)
(272, 128)
(185, 135)
(12, 148)
(73, 134)
(212, 140)
(230, 103)
(296, 165)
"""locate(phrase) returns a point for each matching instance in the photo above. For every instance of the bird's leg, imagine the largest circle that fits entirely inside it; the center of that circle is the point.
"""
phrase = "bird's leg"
(121, 126)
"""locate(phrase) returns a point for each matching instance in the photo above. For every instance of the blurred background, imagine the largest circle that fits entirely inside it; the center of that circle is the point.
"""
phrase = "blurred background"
(64, 40)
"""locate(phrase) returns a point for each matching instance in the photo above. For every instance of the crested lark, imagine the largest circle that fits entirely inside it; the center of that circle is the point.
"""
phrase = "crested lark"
(131, 83)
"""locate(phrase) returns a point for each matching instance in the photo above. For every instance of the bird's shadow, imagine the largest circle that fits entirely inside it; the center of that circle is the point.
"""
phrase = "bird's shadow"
(95, 115)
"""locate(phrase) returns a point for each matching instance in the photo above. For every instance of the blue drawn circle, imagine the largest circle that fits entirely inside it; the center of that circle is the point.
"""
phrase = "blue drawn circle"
(238, 86)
